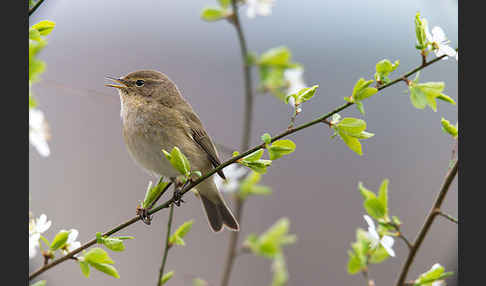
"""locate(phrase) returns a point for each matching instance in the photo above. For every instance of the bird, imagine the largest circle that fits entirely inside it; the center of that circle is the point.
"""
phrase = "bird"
(155, 116)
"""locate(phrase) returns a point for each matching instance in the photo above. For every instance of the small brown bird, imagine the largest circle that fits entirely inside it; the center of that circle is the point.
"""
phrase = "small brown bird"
(155, 116)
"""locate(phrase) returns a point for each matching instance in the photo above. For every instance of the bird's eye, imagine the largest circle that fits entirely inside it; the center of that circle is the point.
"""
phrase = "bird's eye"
(139, 82)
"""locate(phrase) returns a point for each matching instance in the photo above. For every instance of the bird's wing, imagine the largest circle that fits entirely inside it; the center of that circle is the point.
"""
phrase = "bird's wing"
(202, 139)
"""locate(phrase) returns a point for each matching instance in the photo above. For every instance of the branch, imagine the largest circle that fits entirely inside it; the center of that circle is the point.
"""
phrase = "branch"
(232, 253)
(167, 245)
(212, 172)
(36, 5)
(407, 242)
(451, 218)
(428, 222)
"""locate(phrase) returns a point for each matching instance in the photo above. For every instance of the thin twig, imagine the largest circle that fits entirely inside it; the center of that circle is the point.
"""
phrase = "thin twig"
(210, 173)
(36, 5)
(233, 241)
(407, 242)
(428, 222)
(167, 245)
(451, 218)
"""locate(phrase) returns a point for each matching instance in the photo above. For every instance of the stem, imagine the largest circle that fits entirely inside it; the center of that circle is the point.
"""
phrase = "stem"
(36, 5)
(407, 242)
(167, 246)
(230, 258)
(245, 143)
(210, 173)
(428, 222)
(451, 218)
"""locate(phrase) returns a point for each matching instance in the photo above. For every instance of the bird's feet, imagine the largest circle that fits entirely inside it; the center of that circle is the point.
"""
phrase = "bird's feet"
(178, 187)
(143, 214)
(178, 197)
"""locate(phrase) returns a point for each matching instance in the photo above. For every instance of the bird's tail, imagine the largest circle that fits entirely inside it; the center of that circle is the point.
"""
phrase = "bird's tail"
(216, 209)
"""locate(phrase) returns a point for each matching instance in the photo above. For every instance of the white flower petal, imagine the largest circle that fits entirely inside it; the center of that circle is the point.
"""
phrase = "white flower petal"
(369, 221)
(38, 131)
(295, 79)
(445, 49)
(33, 244)
(438, 35)
(435, 266)
(73, 234)
(74, 246)
(259, 7)
(387, 243)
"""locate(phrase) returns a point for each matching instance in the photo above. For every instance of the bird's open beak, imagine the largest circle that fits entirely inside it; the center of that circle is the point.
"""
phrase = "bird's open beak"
(116, 80)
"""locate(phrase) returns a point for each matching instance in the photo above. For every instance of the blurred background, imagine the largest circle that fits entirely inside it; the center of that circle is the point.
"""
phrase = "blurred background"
(90, 183)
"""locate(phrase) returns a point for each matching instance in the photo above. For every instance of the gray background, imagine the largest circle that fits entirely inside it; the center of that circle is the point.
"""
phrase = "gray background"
(90, 183)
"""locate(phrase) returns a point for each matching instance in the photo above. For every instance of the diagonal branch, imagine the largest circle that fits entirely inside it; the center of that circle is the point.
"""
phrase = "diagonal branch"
(36, 5)
(428, 223)
(220, 167)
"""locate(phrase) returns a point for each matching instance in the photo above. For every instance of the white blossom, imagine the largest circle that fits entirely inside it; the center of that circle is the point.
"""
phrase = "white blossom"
(71, 243)
(386, 241)
(36, 228)
(38, 131)
(233, 174)
(295, 80)
(259, 7)
(440, 43)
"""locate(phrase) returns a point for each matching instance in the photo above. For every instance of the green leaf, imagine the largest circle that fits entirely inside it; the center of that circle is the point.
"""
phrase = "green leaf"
(351, 126)
(354, 263)
(152, 193)
(212, 14)
(166, 277)
(44, 27)
(383, 69)
(435, 273)
(176, 237)
(269, 243)
(396, 221)
(446, 98)
(199, 282)
(417, 97)
(224, 3)
(84, 267)
(362, 90)
(106, 268)
(60, 240)
(367, 194)
(280, 148)
(351, 142)
(447, 127)
(364, 135)
(375, 208)
(178, 161)
(266, 138)
(113, 243)
(420, 26)
(39, 283)
(379, 255)
(302, 95)
(259, 166)
(279, 269)
(278, 56)
(34, 34)
(430, 91)
(383, 195)
(249, 186)
(360, 107)
(98, 255)
(32, 102)
(253, 156)
(307, 93)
